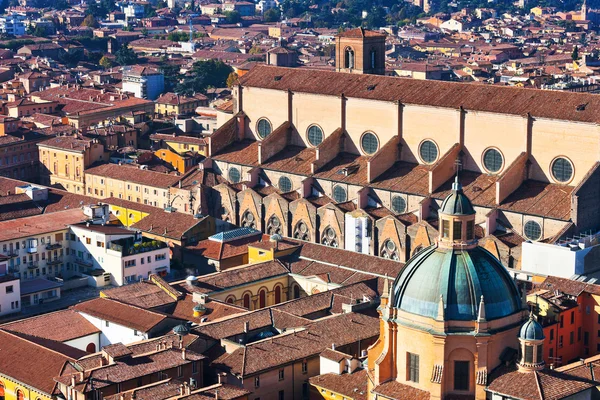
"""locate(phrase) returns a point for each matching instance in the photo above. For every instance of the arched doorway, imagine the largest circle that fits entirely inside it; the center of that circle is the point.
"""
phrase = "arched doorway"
(91, 348)
(230, 300)
(262, 299)
(277, 294)
(247, 301)
(20, 395)
(296, 291)
(2, 391)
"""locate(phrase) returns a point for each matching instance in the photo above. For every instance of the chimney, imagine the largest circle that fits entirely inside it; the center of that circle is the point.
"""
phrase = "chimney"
(246, 326)
(216, 394)
(332, 346)
(183, 350)
(73, 381)
(188, 389)
(181, 390)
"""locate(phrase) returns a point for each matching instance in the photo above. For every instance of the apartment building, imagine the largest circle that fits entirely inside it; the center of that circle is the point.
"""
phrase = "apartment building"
(19, 157)
(130, 183)
(10, 290)
(37, 245)
(122, 253)
(170, 104)
(143, 82)
(64, 159)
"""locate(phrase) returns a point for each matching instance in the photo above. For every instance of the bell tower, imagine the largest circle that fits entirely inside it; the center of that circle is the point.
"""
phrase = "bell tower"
(360, 51)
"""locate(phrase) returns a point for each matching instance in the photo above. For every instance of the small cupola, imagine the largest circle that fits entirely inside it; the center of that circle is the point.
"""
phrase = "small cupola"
(531, 342)
(457, 219)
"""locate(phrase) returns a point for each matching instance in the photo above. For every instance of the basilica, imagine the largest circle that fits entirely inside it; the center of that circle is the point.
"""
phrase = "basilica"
(362, 161)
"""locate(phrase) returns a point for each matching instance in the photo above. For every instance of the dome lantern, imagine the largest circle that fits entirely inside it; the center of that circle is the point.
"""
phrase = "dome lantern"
(457, 219)
(531, 339)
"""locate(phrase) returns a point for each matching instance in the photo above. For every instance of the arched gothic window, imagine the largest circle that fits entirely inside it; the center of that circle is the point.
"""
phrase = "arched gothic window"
(274, 226)
(329, 237)
(248, 220)
(301, 231)
(389, 250)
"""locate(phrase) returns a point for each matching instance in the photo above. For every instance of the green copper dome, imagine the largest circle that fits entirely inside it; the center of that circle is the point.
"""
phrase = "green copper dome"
(457, 203)
(460, 277)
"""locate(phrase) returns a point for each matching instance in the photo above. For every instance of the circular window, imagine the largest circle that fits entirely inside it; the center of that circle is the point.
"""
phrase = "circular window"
(275, 221)
(249, 216)
(339, 194)
(492, 160)
(330, 233)
(369, 143)
(391, 246)
(264, 128)
(533, 230)
(428, 151)
(398, 204)
(315, 135)
(234, 175)
(285, 184)
(562, 169)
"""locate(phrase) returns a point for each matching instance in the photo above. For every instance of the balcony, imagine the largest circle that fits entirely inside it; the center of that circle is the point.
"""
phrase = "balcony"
(33, 265)
(53, 246)
(83, 262)
(12, 253)
(54, 261)
(32, 250)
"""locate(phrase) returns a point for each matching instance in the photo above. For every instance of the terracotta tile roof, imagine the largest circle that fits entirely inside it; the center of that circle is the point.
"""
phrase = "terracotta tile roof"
(128, 368)
(347, 259)
(171, 225)
(215, 310)
(568, 286)
(143, 294)
(538, 385)
(331, 170)
(60, 326)
(324, 301)
(70, 143)
(120, 313)
(134, 175)
(334, 355)
(244, 152)
(352, 386)
(29, 362)
(222, 250)
(540, 198)
(292, 159)
(397, 390)
(39, 224)
(490, 98)
(360, 33)
(174, 99)
(404, 177)
(257, 320)
(234, 277)
(273, 352)
(179, 139)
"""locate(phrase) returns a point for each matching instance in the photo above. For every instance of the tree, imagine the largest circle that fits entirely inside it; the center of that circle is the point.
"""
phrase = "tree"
(149, 11)
(272, 15)
(575, 54)
(105, 62)
(126, 56)
(232, 17)
(144, 31)
(204, 74)
(90, 21)
(232, 79)
(39, 31)
(255, 50)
